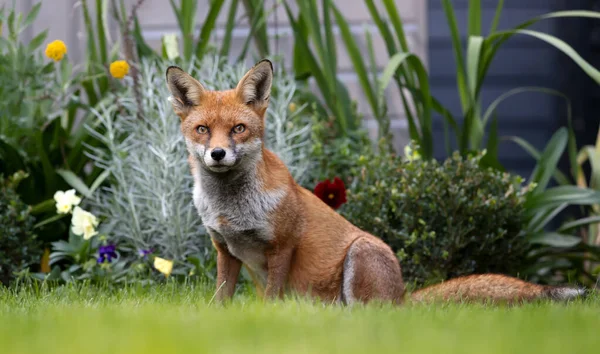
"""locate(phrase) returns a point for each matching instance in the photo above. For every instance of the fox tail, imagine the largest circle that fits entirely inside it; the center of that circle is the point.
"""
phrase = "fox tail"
(494, 288)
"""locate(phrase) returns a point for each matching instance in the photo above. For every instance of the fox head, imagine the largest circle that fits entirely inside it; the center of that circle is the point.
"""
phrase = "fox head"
(223, 130)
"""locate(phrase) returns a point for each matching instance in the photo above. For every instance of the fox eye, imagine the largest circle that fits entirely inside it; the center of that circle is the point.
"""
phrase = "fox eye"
(240, 128)
(202, 129)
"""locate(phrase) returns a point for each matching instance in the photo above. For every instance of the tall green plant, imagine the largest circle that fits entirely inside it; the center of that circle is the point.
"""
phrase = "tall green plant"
(186, 18)
(472, 65)
(561, 248)
(41, 128)
(321, 63)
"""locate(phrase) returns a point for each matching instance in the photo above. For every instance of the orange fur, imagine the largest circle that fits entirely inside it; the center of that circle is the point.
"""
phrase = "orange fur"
(310, 249)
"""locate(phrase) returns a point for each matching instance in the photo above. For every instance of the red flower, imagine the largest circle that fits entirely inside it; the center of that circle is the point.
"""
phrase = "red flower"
(333, 194)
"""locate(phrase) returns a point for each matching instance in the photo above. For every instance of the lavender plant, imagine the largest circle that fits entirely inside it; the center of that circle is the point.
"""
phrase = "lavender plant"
(148, 205)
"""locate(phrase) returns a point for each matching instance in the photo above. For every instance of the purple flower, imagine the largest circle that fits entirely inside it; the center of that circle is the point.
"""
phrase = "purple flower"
(107, 253)
(144, 253)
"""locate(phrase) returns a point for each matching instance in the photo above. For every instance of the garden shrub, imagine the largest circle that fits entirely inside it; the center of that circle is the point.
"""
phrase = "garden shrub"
(19, 247)
(442, 219)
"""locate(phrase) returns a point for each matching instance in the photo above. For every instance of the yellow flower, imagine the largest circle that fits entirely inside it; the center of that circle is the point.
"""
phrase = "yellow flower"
(410, 154)
(56, 50)
(84, 223)
(119, 68)
(162, 265)
(65, 201)
(292, 107)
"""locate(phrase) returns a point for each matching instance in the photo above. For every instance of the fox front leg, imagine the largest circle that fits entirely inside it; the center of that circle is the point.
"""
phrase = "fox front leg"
(278, 267)
(228, 270)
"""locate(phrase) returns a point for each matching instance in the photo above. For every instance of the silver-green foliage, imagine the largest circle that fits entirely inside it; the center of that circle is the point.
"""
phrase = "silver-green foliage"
(148, 204)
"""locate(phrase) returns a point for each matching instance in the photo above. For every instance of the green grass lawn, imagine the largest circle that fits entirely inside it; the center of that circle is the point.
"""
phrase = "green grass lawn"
(181, 319)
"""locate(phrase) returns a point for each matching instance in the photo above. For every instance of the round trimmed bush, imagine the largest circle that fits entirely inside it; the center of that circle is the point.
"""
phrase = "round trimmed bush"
(442, 219)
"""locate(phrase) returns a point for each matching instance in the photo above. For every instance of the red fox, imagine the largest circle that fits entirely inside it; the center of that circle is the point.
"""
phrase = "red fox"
(288, 239)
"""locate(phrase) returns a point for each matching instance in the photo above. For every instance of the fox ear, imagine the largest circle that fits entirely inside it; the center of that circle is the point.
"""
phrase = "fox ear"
(254, 89)
(186, 91)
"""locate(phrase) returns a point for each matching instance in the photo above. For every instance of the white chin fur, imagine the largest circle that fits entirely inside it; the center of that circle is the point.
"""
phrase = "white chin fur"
(219, 168)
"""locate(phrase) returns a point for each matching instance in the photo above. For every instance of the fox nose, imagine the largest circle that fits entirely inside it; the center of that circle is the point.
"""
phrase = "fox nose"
(217, 154)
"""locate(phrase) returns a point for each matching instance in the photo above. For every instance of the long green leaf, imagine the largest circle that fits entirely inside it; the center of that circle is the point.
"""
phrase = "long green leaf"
(356, 56)
(380, 111)
(474, 48)
(495, 41)
(392, 11)
(396, 21)
(497, 14)
(255, 9)
(186, 17)
(305, 54)
(579, 222)
(383, 28)
(589, 153)
(533, 152)
(329, 36)
(99, 180)
(143, 49)
(425, 138)
(572, 148)
(492, 107)
(474, 27)
(101, 12)
(404, 73)
(458, 56)
(473, 129)
(566, 49)
(555, 239)
(91, 38)
(226, 43)
(491, 157)
(256, 23)
(208, 27)
(548, 161)
(74, 181)
(177, 13)
(37, 41)
(308, 9)
(49, 220)
(542, 218)
(43, 207)
(562, 194)
(32, 15)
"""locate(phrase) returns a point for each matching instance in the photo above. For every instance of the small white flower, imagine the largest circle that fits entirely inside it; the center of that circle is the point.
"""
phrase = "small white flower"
(410, 154)
(84, 223)
(65, 201)
(407, 152)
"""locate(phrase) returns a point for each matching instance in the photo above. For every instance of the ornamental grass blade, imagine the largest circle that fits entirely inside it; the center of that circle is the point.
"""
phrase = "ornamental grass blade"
(208, 27)
(555, 239)
(547, 164)
(424, 138)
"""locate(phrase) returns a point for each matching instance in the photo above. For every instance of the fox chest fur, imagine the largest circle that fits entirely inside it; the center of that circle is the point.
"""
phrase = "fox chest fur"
(236, 214)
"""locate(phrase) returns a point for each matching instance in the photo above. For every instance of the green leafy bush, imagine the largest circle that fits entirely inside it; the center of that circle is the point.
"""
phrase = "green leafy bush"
(443, 219)
(19, 247)
(43, 111)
